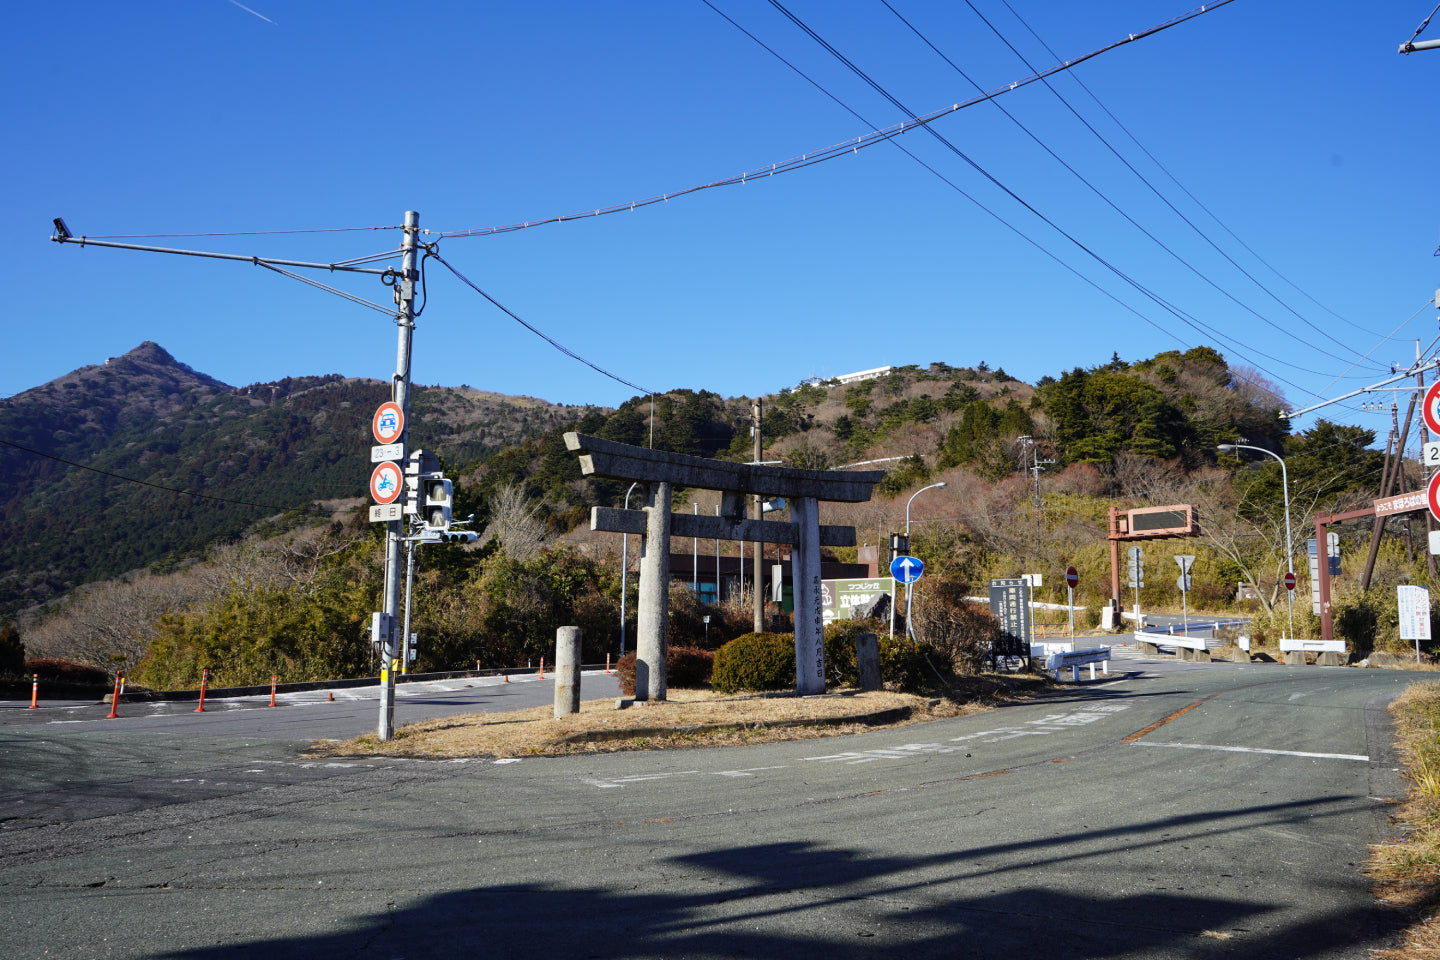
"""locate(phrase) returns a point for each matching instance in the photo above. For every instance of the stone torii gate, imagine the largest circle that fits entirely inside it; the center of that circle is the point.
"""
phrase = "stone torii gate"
(661, 472)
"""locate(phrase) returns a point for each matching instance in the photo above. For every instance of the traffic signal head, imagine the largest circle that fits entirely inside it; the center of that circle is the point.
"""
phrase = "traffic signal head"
(439, 498)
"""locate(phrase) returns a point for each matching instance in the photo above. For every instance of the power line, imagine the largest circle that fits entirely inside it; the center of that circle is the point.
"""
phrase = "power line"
(848, 146)
(528, 326)
(1114, 206)
(1163, 169)
(1186, 318)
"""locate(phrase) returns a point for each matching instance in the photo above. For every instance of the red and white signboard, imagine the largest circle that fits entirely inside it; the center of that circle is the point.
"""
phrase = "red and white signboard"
(387, 482)
(1289, 580)
(388, 423)
(1431, 410)
(1433, 496)
(1072, 577)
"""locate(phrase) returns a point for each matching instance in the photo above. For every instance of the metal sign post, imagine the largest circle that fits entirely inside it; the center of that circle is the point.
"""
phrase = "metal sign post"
(1184, 583)
(1072, 577)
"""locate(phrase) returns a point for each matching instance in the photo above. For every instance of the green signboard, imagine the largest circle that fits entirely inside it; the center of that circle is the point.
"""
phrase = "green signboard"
(839, 598)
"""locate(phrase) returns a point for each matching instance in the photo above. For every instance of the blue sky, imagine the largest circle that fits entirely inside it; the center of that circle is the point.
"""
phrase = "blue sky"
(1297, 125)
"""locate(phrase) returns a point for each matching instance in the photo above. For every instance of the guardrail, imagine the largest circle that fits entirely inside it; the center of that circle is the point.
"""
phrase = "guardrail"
(1186, 648)
(1075, 659)
(1330, 653)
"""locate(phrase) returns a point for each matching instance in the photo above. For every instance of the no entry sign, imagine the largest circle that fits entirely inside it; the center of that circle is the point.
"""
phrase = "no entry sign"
(1289, 580)
(1072, 577)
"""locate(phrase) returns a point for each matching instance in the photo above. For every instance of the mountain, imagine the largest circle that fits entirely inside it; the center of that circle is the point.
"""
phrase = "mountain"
(91, 461)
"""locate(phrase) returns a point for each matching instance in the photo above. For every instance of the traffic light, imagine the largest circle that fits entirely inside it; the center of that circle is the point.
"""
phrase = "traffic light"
(439, 498)
(419, 466)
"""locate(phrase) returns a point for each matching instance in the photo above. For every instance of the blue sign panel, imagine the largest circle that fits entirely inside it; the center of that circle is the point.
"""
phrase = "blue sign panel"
(906, 569)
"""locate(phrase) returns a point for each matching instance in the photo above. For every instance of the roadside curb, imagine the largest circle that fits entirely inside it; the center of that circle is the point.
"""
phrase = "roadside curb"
(893, 715)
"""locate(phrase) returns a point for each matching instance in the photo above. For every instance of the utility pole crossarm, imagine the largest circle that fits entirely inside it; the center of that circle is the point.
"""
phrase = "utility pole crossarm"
(63, 236)
(1405, 375)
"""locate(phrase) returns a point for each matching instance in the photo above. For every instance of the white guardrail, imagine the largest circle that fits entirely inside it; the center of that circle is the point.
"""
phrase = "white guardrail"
(1075, 659)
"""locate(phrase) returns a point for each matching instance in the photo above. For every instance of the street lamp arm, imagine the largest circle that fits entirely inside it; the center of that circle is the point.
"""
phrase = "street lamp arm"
(1285, 488)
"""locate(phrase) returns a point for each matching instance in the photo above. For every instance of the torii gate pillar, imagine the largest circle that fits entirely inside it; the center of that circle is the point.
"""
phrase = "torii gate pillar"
(654, 611)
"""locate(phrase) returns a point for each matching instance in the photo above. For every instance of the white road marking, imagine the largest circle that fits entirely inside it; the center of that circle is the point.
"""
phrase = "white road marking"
(1279, 753)
(748, 772)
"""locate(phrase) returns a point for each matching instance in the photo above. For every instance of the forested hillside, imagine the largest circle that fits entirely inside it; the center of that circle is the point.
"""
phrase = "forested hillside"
(295, 603)
(91, 461)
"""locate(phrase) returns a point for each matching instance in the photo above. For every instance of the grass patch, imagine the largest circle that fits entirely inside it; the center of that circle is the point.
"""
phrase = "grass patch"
(1406, 870)
(689, 718)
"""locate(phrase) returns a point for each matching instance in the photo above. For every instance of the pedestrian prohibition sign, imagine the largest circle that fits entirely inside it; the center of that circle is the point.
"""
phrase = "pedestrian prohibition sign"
(386, 482)
(906, 569)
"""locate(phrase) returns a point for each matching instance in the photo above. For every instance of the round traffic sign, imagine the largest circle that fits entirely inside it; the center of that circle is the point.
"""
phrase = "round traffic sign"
(388, 423)
(386, 482)
(1072, 576)
(1289, 580)
(1433, 496)
(907, 569)
(1431, 409)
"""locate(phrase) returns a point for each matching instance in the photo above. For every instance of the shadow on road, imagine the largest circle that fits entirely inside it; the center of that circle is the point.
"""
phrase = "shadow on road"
(802, 900)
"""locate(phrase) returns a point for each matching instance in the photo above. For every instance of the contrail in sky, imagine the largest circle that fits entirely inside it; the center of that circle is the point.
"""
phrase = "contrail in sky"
(248, 10)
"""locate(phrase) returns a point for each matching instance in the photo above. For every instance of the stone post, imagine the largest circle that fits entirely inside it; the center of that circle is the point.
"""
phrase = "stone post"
(867, 658)
(809, 619)
(567, 671)
(653, 610)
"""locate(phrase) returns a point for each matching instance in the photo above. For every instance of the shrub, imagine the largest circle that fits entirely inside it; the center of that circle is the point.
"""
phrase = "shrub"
(902, 662)
(12, 651)
(961, 632)
(65, 671)
(755, 661)
(685, 667)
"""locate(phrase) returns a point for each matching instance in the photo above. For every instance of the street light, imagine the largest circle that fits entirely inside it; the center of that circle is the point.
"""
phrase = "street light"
(1285, 486)
(624, 569)
(909, 587)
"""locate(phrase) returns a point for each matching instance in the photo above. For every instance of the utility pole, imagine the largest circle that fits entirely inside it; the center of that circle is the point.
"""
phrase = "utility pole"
(759, 548)
(404, 295)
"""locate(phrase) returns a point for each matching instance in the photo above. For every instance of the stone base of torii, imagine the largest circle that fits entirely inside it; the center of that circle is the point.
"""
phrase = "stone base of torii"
(661, 473)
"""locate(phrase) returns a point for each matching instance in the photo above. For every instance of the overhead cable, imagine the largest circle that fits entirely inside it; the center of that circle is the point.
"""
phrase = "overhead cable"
(1283, 330)
(1185, 317)
(543, 336)
(848, 146)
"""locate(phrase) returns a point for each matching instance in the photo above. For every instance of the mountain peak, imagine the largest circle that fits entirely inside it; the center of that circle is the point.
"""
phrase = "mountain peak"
(150, 352)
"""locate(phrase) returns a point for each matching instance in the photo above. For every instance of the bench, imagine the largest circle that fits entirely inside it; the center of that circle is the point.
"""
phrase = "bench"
(1075, 659)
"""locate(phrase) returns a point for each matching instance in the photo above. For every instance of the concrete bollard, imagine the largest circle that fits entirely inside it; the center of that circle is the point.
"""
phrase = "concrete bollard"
(567, 671)
(867, 658)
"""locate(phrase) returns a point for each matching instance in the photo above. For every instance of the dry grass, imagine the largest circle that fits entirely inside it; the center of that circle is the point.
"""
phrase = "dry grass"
(1406, 871)
(688, 718)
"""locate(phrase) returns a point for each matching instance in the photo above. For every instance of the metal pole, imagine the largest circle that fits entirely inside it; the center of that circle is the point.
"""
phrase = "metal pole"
(758, 548)
(624, 570)
(909, 592)
(409, 585)
(395, 529)
(695, 557)
(1289, 547)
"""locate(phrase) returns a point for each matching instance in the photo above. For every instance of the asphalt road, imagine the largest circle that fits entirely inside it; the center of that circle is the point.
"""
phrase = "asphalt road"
(310, 715)
(1206, 810)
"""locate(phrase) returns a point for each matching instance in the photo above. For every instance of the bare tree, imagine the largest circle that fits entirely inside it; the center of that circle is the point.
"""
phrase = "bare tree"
(513, 522)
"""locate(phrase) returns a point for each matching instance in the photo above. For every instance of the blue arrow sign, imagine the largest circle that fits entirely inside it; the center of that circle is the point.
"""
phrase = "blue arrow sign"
(906, 569)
